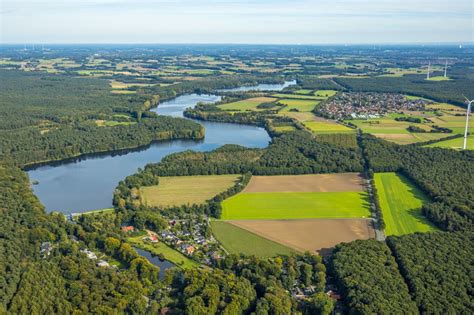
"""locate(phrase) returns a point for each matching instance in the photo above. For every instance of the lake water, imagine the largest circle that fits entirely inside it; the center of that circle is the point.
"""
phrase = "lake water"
(155, 260)
(88, 182)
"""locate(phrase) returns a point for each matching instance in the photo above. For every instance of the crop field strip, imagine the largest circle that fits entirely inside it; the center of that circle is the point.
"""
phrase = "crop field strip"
(237, 240)
(401, 205)
(247, 104)
(314, 235)
(299, 197)
(179, 190)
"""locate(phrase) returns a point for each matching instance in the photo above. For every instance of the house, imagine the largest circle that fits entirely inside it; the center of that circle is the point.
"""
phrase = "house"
(102, 263)
(89, 254)
(45, 249)
(128, 228)
(333, 295)
(188, 249)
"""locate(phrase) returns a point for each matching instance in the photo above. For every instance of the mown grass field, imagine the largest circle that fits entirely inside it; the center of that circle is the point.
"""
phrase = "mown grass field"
(325, 93)
(179, 190)
(301, 105)
(161, 248)
(318, 127)
(247, 104)
(454, 143)
(295, 205)
(401, 205)
(298, 96)
(237, 240)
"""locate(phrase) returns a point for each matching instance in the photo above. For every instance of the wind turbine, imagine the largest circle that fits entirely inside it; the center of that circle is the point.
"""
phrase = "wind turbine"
(446, 69)
(429, 69)
(469, 102)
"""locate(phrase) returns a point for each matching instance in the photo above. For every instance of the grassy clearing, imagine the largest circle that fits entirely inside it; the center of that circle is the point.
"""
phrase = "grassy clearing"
(236, 240)
(112, 123)
(247, 104)
(295, 205)
(304, 91)
(325, 93)
(454, 143)
(297, 96)
(301, 105)
(319, 127)
(161, 248)
(401, 201)
(439, 78)
(179, 190)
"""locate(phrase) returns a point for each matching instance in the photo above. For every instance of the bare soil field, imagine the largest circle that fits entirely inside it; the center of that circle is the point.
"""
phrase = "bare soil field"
(314, 235)
(306, 183)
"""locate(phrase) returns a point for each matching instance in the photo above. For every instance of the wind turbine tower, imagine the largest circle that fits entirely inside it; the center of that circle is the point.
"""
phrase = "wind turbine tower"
(429, 69)
(469, 102)
(446, 69)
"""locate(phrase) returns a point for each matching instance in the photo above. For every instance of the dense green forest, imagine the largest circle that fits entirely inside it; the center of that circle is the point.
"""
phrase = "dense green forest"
(369, 278)
(438, 270)
(47, 117)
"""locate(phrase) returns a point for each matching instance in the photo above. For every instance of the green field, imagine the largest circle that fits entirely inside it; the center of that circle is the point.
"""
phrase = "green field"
(401, 205)
(325, 93)
(247, 104)
(298, 96)
(301, 105)
(181, 190)
(161, 248)
(439, 78)
(454, 143)
(304, 91)
(319, 127)
(236, 240)
(295, 205)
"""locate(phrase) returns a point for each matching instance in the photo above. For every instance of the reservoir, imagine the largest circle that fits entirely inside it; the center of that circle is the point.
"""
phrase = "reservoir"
(87, 183)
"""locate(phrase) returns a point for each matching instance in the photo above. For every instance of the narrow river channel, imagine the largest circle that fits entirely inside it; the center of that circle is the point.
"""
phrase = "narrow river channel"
(87, 183)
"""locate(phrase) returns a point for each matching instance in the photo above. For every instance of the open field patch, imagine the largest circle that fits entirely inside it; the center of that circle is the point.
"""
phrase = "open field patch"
(327, 126)
(179, 190)
(298, 96)
(237, 240)
(295, 205)
(247, 104)
(300, 105)
(339, 182)
(325, 93)
(454, 143)
(314, 235)
(401, 205)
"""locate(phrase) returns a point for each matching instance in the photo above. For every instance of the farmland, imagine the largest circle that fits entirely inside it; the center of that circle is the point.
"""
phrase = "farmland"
(297, 104)
(314, 235)
(179, 190)
(299, 197)
(247, 104)
(456, 143)
(295, 205)
(401, 202)
(237, 240)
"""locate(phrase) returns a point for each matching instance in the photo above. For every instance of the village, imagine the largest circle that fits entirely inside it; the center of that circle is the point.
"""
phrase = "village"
(357, 105)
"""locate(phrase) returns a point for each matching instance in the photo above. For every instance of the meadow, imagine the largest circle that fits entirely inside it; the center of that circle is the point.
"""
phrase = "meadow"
(162, 249)
(401, 205)
(236, 240)
(298, 96)
(247, 104)
(180, 190)
(300, 105)
(327, 126)
(295, 205)
(456, 143)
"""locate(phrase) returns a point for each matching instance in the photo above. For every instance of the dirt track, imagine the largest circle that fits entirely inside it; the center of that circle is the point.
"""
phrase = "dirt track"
(314, 235)
(306, 183)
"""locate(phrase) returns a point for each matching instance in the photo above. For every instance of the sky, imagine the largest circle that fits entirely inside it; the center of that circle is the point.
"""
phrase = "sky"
(232, 21)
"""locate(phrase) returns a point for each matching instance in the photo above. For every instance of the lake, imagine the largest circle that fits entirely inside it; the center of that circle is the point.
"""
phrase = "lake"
(87, 183)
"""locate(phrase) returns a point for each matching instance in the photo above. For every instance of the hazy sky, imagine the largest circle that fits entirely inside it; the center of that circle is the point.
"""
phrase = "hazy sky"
(232, 21)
